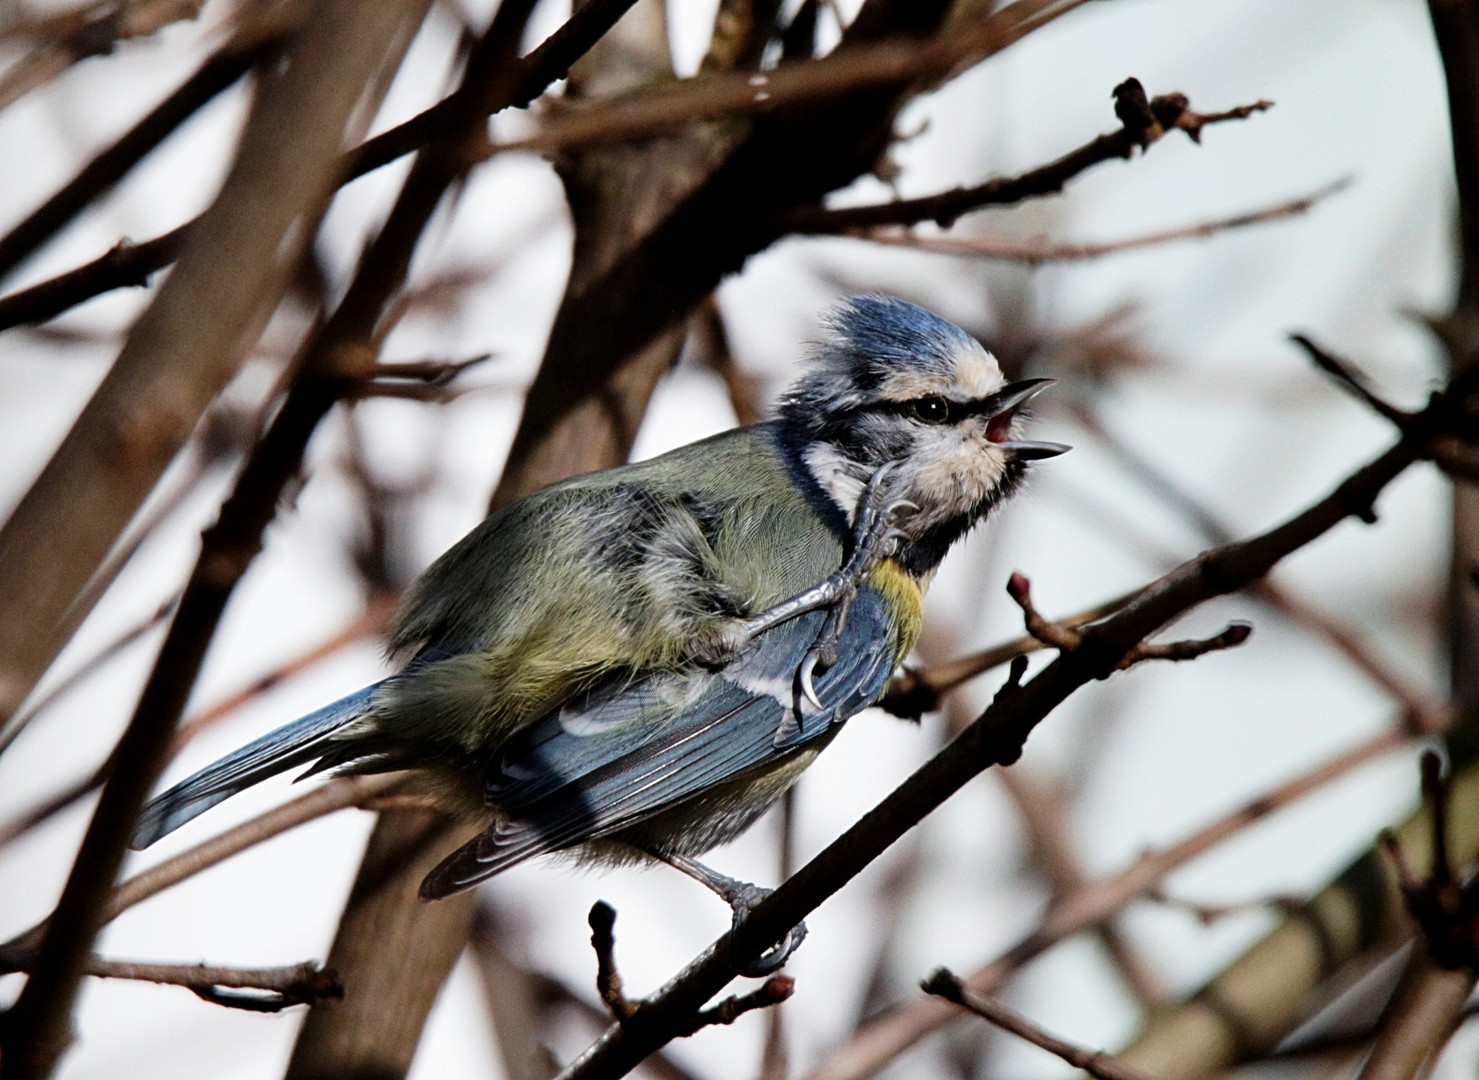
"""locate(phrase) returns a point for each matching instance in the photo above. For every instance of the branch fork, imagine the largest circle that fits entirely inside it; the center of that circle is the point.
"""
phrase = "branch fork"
(626, 1011)
(1067, 639)
(1445, 907)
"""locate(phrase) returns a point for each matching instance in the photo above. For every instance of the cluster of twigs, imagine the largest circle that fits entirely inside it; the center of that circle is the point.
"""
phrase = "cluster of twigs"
(749, 152)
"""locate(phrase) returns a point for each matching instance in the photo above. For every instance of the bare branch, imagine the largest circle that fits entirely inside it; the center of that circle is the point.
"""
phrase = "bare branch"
(1096, 1063)
(338, 794)
(1142, 123)
(998, 735)
(1036, 250)
(271, 989)
(882, 1039)
(1067, 639)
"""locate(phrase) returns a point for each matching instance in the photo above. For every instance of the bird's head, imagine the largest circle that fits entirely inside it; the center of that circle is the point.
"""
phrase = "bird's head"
(892, 382)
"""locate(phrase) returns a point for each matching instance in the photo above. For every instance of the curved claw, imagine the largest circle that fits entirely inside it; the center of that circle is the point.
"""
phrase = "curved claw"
(804, 673)
(772, 960)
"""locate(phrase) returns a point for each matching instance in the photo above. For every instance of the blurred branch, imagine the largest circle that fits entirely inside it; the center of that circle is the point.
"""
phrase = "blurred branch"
(83, 671)
(273, 989)
(179, 355)
(338, 794)
(1350, 379)
(1443, 970)
(248, 46)
(1035, 250)
(1246, 1009)
(1047, 831)
(128, 264)
(998, 735)
(885, 1037)
(1419, 1020)
(372, 621)
(191, 340)
(65, 40)
(1142, 121)
(1096, 1063)
(889, 62)
(644, 113)
(1421, 711)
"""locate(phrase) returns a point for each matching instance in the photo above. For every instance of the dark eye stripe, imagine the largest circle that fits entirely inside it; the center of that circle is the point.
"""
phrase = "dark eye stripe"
(933, 409)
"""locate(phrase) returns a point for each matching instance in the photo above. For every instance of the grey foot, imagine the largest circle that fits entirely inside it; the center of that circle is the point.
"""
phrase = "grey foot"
(742, 898)
(741, 903)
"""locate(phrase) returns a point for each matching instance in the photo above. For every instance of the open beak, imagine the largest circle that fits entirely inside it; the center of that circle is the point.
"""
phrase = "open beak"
(1002, 406)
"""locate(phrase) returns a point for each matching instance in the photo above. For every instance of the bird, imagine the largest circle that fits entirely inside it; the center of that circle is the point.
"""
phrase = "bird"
(635, 663)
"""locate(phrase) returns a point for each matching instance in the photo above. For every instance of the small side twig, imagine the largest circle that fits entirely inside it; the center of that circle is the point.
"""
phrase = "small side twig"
(1066, 638)
(1443, 906)
(772, 991)
(602, 921)
(1096, 1063)
(1350, 378)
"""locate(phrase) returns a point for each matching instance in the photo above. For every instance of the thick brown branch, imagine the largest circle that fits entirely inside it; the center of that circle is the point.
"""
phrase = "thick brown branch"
(107, 168)
(201, 323)
(1096, 1063)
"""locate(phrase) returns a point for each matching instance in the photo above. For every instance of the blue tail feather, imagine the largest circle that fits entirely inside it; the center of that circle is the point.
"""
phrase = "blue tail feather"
(290, 745)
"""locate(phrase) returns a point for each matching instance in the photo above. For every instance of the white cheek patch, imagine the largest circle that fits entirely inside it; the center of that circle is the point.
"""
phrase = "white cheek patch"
(833, 472)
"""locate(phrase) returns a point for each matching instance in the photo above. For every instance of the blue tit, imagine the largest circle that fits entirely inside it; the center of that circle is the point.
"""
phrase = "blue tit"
(639, 661)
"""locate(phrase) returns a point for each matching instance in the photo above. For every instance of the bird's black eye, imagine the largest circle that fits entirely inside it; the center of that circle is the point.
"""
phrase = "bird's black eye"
(931, 410)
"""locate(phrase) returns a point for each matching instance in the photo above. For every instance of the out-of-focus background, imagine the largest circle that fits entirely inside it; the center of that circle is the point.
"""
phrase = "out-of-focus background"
(1186, 405)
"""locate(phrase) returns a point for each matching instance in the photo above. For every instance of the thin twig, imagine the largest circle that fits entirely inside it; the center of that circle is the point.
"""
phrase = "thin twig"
(1096, 1063)
(1349, 378)
(337, 794)
(271, 989)
(1140, 127)
(1037, 250)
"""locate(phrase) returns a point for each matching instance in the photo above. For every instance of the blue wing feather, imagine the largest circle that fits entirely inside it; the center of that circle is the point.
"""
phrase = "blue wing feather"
(628, 751)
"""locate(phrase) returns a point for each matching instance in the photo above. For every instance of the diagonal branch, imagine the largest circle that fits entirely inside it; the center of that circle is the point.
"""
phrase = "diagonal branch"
(998, 735)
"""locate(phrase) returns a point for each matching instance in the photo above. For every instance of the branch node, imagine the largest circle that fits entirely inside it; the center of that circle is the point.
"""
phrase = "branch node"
(910, 695)
(1054, 635)
(602, 921)
(772, 991)
(1444, 908)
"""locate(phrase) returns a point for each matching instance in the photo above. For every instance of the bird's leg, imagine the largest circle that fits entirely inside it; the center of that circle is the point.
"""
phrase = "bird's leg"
(741, 897)
(874, 538)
